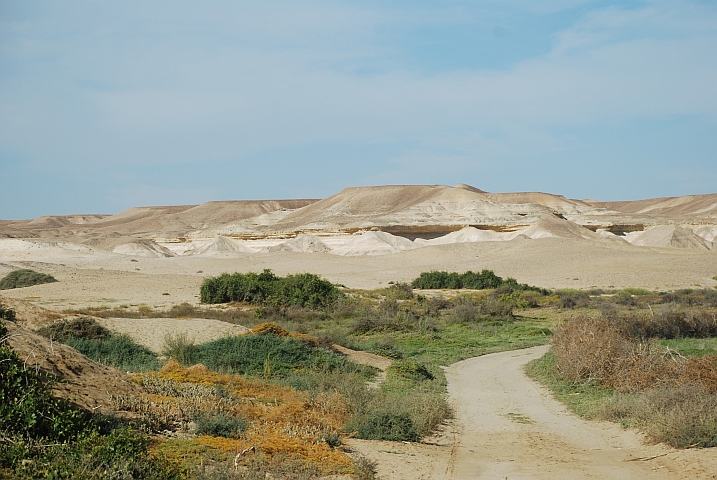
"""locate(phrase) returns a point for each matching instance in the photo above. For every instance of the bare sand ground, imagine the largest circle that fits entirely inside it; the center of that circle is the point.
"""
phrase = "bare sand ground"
(550, 262)
(151, 332)
(508, 427)
(513, 428)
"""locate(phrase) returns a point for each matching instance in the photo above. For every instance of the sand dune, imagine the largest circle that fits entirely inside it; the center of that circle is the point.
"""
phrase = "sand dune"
(305, 243)
(467, 234)
(222, 245)
(671, 236)
(142, 248)
(374, 243)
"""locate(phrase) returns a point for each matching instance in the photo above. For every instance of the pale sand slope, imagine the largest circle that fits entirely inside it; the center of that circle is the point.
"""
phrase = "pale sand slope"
(151, 332)
(513, 428)
(547, 262)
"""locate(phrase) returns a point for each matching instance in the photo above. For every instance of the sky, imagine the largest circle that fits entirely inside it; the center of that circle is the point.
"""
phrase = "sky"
(107, 105)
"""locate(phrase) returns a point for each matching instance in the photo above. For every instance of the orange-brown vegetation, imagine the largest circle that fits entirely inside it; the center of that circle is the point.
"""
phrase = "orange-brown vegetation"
(268, 328)
(281, 420)
(597, 349)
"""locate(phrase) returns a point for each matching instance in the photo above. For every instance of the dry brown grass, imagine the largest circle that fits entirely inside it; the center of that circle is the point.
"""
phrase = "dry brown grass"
(595, 349)
(268, 328)
(670, 397)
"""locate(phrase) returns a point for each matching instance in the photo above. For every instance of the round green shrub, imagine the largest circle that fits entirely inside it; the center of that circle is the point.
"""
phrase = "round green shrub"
(395, 427)
(410, 370)
(24, 278)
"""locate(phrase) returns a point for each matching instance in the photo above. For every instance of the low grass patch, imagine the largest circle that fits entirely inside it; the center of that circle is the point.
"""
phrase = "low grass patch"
(101, 345)
(24, 278)
(119, 351)
(453, 342)
(585, 399)
(264, 355)
(692, 347)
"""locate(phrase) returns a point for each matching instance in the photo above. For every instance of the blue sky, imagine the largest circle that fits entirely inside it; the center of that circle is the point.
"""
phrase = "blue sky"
(105, 105)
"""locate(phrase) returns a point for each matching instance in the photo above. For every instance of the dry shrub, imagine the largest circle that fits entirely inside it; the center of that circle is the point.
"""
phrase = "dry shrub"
(269, 328)
(701, 371)
(668, 321)
(596, 349)
(684, 416)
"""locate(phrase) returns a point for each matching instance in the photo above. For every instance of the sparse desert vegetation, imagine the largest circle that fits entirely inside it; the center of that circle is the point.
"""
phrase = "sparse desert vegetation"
(646, 361)
(285, 397)
(281, 389)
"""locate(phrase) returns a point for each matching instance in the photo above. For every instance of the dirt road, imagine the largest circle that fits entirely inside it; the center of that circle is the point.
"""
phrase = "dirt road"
(513, 429)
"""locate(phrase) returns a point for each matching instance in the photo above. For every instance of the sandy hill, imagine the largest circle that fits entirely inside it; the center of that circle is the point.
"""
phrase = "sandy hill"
(672, 236)
(82, 381)
(221, 245)
(353, 206)
(408, 210)
(304, 242)
(687, 206)
(435, 213)
(148, 222)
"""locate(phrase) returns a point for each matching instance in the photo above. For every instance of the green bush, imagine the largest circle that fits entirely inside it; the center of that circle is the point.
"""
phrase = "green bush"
(266, 355)
(410, 370)
(219, 425)
(45, 437)
(28, 409)
(475, 281)
(384, 426)
(120, 454)
(304, 289)
(24, 278)
(120, 351)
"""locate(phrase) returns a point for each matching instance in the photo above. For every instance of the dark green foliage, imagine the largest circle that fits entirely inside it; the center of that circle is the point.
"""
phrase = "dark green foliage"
(121, 454)
(84, 328)
(28, 408)
(120, 351)
(219, 425)
(304, 290)
(99, 344)
(384, 426)
(410, 370)
(24, 278)
(475, 281)
(266, 355)
(6, 313)
(45, 437)
(333, 440)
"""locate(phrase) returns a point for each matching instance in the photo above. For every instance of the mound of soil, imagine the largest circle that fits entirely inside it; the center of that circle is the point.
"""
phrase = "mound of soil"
(28, 315)
(82, 381)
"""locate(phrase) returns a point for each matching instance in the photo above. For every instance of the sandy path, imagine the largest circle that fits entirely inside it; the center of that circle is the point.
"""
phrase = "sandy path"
(512, 428)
